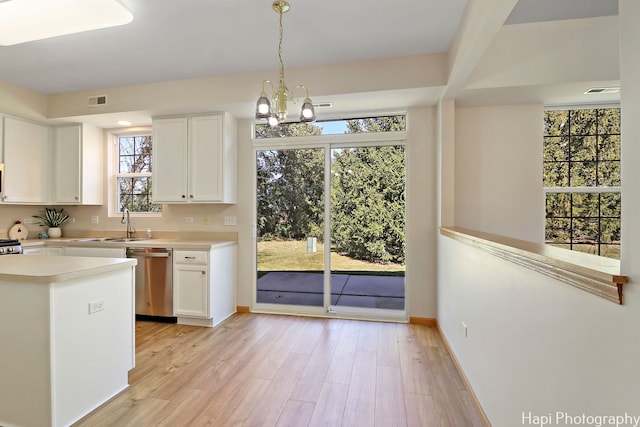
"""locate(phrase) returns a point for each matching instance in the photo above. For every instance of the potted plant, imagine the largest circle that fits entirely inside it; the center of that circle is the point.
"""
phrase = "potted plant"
(53, 219)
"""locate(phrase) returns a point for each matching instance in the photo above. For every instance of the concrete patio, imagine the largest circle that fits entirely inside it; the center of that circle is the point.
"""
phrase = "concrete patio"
(352, 290)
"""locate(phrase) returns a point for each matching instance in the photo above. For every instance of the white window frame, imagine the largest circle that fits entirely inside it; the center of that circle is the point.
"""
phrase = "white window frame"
(113, 157)
(582, 189)
(328, 142)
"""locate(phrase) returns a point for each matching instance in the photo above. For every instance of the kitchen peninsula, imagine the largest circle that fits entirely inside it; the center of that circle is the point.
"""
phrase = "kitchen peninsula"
(67, 334)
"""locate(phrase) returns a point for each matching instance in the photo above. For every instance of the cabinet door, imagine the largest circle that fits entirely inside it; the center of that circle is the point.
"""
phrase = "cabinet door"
(78, 165)
(34, 251)
(95, 252)
(205, 159)
(26, 157)
(67, 164)
(170, 160)
(54, 251)
(190, 291)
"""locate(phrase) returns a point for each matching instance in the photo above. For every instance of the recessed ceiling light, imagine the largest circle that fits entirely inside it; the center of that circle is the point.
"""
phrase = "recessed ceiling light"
(597, 90)
(124, 123)
(27, 20)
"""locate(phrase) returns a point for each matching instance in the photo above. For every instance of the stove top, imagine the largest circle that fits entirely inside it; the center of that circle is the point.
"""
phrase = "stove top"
(10, 247)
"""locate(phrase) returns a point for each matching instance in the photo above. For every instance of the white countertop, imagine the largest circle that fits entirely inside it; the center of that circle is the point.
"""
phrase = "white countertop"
(50, 269)
(150, 243)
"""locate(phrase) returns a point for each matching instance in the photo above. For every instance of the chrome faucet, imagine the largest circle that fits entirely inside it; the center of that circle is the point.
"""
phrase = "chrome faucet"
(127, 220)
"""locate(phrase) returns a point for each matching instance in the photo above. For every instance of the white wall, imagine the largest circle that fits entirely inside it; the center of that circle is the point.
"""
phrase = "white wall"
(422, 213)
(221, 93)
(246, 187)
(550, 52)
(22, 102)
(630, 150)
(534, 343)
(498, 180)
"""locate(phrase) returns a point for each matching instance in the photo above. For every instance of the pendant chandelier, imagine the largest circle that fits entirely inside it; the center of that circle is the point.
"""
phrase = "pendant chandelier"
(275, 110)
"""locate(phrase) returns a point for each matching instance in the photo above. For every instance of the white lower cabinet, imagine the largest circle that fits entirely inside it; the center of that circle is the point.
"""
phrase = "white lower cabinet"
(40, 250)
(54, 250)
(204, 285)
(95, 252)
(190, 291)
(44, 250)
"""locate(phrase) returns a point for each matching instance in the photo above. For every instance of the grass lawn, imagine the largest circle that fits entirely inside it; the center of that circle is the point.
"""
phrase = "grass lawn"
(292, 255)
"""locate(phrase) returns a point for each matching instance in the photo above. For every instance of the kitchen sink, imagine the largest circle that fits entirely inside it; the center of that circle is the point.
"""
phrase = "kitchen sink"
(124, 239)
(109, 239)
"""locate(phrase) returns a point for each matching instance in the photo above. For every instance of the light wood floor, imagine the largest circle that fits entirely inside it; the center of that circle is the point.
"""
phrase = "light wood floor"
(266, 370)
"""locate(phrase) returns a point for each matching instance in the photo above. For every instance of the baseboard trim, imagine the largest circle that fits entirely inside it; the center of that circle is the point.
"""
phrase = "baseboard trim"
(242, 309)
(426, 321)
(465, 380)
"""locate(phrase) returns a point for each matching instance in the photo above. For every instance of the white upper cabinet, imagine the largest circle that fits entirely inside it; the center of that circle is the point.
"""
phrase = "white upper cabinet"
(26, 162)
(78, 165)
(194, 159)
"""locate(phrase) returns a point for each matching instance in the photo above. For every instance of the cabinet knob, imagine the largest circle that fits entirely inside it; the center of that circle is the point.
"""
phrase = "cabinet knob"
(184, 197)
(77, 197)
(203, 272)
(191, 196)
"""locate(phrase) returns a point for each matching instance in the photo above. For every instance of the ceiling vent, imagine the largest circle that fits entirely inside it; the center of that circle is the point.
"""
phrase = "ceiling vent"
(323, 105)
(597, 90)
(96, 101)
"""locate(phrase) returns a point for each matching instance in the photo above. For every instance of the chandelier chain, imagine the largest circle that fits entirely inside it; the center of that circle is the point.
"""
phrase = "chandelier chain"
(282, 84)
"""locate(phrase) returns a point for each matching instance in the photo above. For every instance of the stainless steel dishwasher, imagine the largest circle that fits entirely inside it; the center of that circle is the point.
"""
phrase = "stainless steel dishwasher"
(154, 281)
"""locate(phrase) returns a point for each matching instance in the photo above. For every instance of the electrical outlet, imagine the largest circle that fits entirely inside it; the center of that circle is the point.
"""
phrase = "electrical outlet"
(72, 220)
(95, 219)
(96, 306)
(188, 219)
(465, 329)
(27, 221)
(230, 220)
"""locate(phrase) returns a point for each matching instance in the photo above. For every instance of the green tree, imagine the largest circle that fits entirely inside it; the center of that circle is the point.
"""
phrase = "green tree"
(367, 191)
(377, 124)
(290, 193)
(134, 155)
(368, 203)
(290, 186)
(582, 148)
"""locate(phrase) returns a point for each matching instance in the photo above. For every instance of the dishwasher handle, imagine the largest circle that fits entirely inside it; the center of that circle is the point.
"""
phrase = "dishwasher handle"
(142, 253)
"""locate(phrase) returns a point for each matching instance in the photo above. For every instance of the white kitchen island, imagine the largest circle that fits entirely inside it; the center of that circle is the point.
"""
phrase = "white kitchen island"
(66, 336)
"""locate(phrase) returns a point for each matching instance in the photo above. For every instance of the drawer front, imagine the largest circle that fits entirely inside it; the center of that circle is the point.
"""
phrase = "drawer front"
(190, 257)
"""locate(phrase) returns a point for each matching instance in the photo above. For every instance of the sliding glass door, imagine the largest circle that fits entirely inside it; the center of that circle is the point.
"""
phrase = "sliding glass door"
(330, 219)
(367, 229)
(290, 200)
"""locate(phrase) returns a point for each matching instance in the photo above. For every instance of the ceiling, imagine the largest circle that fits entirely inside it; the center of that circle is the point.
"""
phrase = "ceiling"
(178, 39)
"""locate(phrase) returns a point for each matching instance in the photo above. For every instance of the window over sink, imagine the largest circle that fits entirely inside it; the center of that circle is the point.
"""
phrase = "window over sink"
(133, 174)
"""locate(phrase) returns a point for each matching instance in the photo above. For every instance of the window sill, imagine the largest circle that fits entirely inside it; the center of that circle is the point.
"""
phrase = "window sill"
(594, 274)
